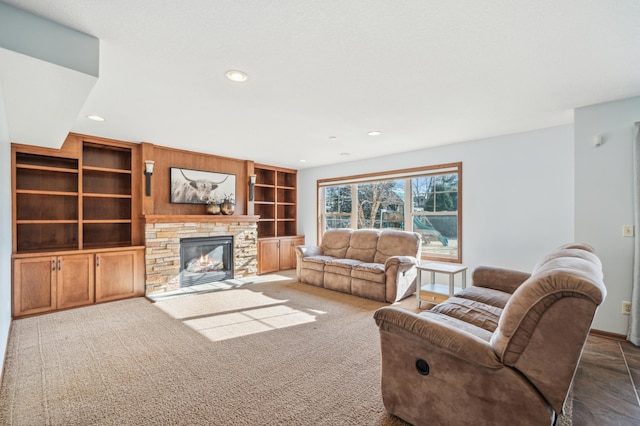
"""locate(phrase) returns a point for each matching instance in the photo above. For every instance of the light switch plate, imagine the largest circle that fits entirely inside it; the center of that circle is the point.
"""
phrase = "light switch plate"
(627, 231)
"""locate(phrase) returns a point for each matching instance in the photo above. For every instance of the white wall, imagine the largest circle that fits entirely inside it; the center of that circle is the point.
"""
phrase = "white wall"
(604, 198)
(5, 232)
(517, 193)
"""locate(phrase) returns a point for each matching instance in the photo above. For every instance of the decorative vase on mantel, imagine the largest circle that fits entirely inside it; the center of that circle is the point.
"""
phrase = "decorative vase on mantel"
(227, 207)
(213, 208)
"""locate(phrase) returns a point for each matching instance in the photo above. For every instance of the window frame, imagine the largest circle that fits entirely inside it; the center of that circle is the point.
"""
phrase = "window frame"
(407, 175)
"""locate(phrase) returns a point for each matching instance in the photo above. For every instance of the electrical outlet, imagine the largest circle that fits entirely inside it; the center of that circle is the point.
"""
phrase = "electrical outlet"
(627, 231)
(626, 307)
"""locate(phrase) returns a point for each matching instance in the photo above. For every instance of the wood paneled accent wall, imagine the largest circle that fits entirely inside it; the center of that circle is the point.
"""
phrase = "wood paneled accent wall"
(165, 158)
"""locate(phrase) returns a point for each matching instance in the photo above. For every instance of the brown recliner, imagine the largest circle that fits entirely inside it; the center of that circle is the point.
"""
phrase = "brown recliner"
(501, 352)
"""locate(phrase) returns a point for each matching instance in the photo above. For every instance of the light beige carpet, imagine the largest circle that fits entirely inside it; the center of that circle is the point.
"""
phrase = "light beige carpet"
(267, 353)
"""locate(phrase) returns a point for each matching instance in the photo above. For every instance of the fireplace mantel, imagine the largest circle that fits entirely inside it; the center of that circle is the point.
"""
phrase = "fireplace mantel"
(191, 218)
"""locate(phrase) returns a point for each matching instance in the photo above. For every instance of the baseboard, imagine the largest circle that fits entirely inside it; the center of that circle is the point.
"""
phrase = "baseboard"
(607, 335)
(6, 351)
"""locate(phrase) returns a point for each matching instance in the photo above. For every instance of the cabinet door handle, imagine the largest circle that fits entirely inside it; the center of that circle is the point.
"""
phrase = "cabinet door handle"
(53, 265)
(60, 265)
(97, 261)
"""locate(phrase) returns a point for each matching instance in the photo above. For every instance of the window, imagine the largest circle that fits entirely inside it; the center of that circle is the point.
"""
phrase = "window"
(424, 200)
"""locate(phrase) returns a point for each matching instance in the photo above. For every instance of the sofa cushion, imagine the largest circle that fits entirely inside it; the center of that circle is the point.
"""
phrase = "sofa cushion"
(397, 243)
(340, 266)
(470, 311)
(369, 271)
(485, 295)
(458, 324)
(316, 263)
(335, 242)
(363, 245)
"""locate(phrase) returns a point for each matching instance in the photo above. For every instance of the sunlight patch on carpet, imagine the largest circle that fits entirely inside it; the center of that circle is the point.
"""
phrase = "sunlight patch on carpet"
(252, 321)
(236, 313)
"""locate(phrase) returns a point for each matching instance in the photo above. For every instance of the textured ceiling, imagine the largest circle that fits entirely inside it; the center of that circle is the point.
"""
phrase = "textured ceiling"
(423, 72)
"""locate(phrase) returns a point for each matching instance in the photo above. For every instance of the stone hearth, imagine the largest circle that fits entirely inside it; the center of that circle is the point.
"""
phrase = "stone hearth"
(163, 234)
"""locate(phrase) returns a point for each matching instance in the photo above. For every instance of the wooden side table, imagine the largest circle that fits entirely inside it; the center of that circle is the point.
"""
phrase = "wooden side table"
(436, 293)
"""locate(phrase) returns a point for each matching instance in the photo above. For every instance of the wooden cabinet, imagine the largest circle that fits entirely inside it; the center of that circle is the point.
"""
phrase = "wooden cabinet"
(288, 253)
(75, 280)
(268, 255)
(118, 275)
(275, 201)
(106, 195)
(47, 283)
(71, 206)
(34, 285)
(46, 208)
(277, 254)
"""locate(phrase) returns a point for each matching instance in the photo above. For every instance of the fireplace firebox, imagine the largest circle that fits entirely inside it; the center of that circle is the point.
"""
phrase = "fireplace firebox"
(205, 259)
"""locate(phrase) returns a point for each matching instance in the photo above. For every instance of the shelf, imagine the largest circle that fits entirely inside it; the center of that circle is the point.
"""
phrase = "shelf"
(104, 208)
(105, 157)
(107, 221)
(265, 176)
(47, 236)
(264, 194)
(45, 192)
(46, 207)
(212, 218)
(276, 187)
(94, 181)
(44, 221)
(286, 228)
(106, 234)
(266, 229)
(39, 179)
(46, 169)
(106, 169)
(287, 180)
(46, 162)
(116, 196)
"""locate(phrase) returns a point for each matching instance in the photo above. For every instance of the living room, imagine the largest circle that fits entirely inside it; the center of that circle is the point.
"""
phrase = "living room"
(526, 190)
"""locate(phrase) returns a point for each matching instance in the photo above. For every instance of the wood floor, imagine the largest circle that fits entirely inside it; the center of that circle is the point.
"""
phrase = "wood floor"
(607, 384)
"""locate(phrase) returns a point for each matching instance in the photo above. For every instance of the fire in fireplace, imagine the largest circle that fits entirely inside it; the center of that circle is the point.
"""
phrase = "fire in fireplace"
(204, 260)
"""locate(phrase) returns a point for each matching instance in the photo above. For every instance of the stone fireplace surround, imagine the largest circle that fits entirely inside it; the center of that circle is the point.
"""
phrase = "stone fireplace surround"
(163, 234)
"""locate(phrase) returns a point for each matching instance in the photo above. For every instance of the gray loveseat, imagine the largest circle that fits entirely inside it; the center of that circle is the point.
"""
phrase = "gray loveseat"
(378, 265)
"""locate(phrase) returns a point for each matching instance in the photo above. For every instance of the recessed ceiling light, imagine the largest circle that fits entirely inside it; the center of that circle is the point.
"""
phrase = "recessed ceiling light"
(374, 133)
(237, 76)
(95, 118)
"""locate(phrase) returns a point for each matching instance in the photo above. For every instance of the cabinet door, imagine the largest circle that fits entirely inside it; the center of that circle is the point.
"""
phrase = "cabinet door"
(287, 253)
(75, 280)
(268, 256)
(34, 285)
(118, 275)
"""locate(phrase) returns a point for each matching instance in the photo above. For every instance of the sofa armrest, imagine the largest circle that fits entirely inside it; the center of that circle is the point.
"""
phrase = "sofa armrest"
(305, 251)
(403, 262)
(506, 280)
(438, 335)
(400, 277)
